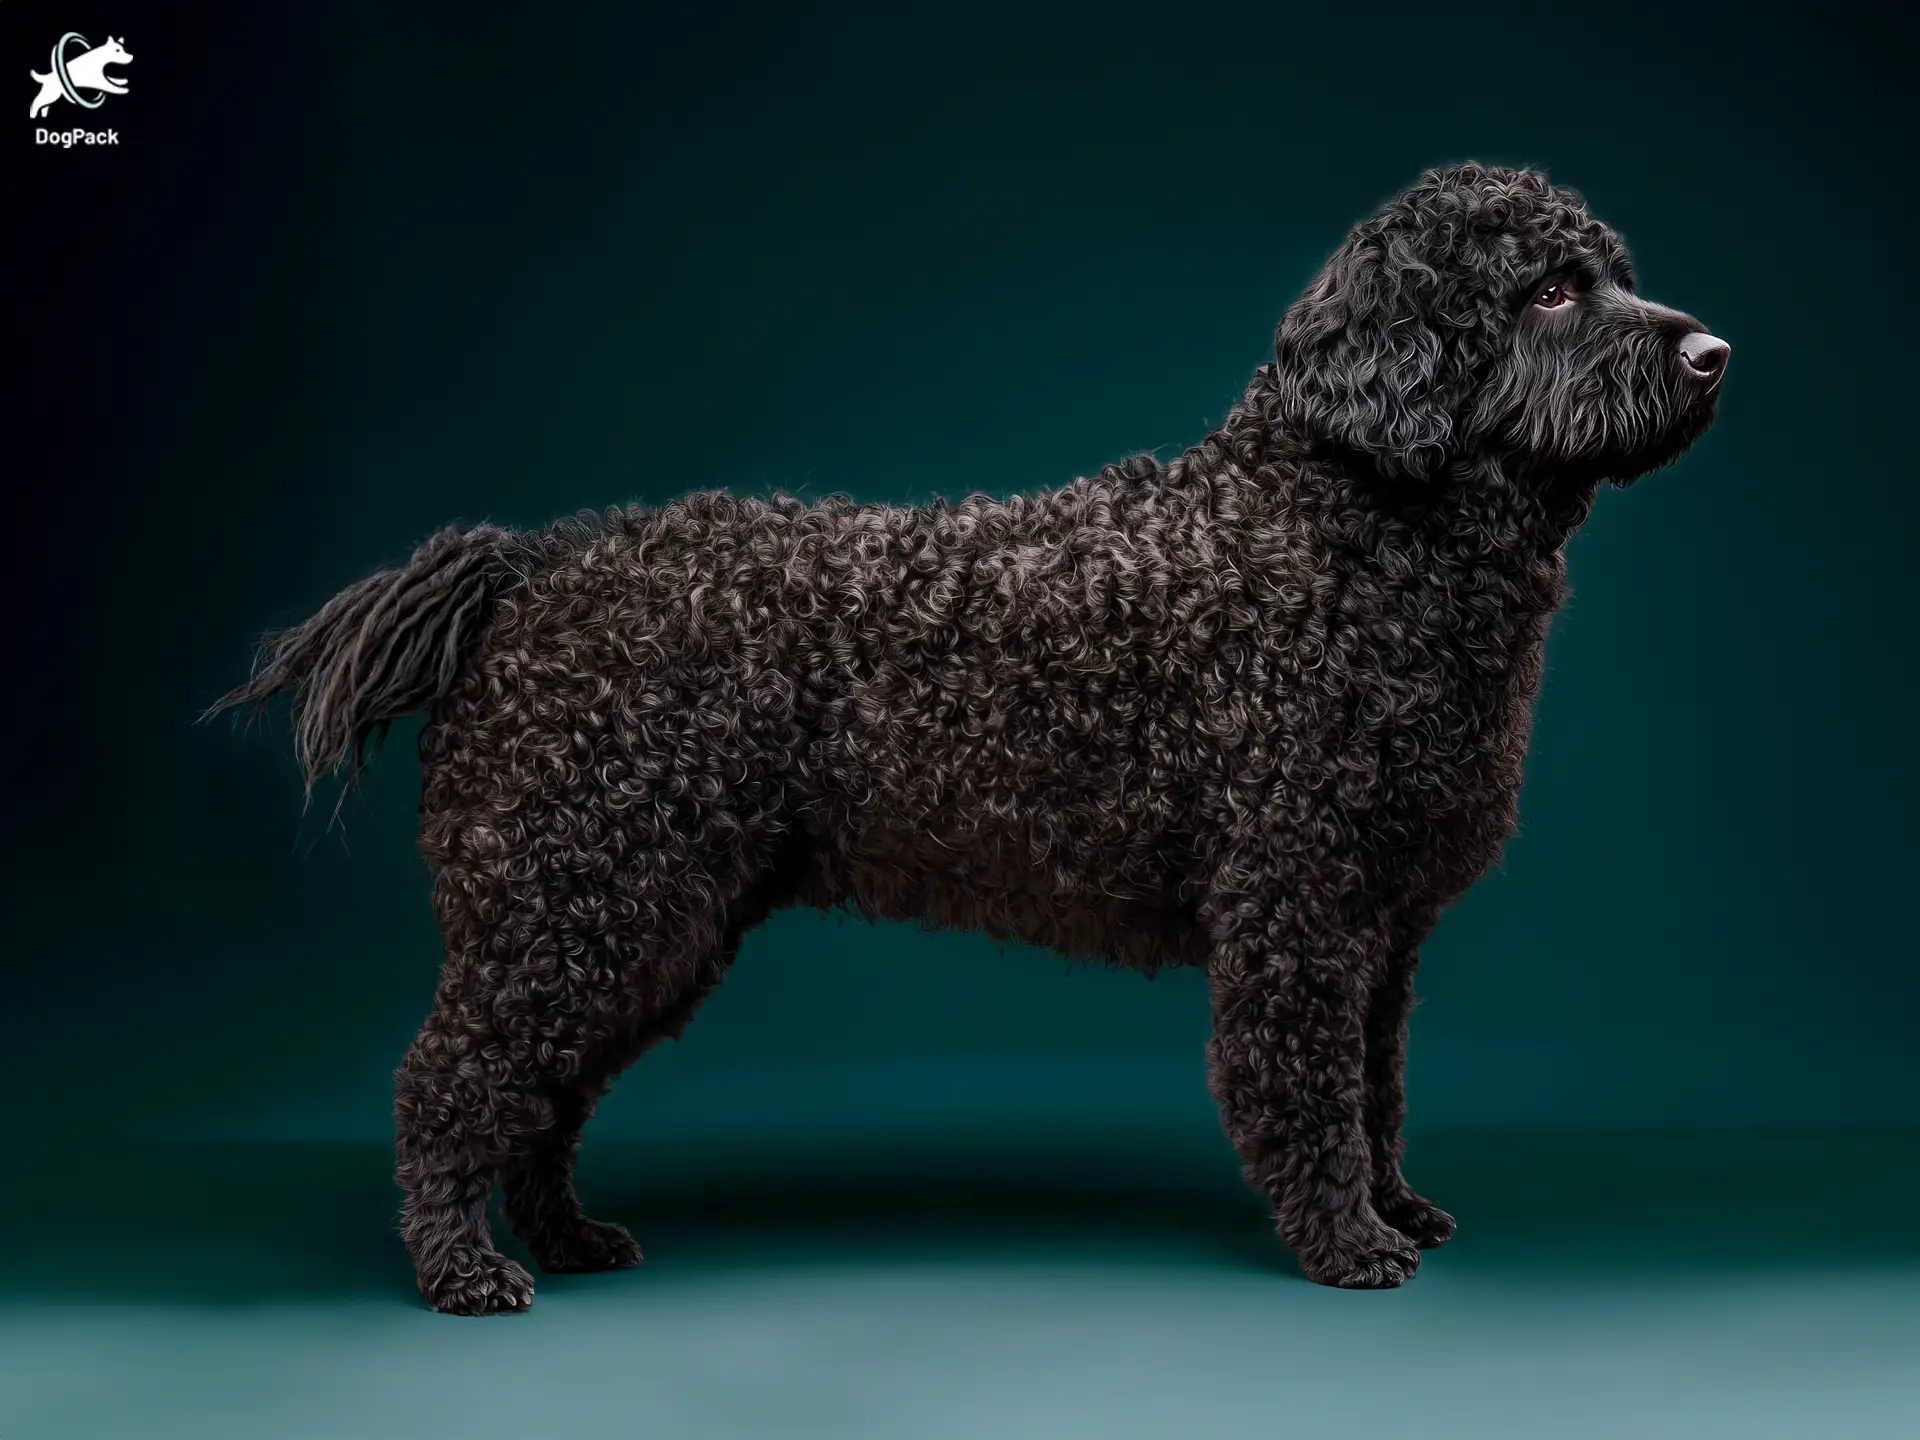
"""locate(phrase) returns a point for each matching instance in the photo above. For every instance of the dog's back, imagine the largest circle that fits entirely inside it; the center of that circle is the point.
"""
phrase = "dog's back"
(980, 713)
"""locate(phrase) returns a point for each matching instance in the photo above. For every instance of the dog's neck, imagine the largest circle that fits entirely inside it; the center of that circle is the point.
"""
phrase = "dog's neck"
(1480, 514)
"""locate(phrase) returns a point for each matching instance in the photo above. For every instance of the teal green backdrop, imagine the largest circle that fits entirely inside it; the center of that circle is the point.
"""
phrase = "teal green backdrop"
(362, 270)
(354, 271)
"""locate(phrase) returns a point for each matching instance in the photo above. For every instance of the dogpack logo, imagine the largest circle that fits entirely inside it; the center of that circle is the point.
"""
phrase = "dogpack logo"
(74, 66)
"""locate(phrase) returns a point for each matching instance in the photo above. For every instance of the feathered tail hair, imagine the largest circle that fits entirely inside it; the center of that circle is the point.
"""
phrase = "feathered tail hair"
(379, 650)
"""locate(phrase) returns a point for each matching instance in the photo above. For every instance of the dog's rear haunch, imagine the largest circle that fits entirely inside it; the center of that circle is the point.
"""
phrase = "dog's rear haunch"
(1261, 708)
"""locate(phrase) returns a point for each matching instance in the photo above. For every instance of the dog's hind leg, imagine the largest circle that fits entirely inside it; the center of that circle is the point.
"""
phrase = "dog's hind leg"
(460, 1102)
(550, 981)
(538, 1198)
(1414, 1216)
(539, 1203)
(564, 992)
(1291, 981)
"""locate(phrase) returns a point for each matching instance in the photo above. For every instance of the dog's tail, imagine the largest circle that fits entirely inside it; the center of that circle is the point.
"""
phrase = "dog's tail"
(379, 650)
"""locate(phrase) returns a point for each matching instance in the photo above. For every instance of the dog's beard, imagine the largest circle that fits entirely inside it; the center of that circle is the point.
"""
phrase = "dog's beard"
(1677, 437)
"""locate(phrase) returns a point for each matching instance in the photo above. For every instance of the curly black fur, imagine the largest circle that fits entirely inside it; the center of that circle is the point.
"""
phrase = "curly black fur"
(1262, 708)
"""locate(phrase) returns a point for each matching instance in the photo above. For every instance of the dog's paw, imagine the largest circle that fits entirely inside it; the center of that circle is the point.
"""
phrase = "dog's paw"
(1379, 1260)
(1419, 1219)
(478, 1282)
(586, 1249)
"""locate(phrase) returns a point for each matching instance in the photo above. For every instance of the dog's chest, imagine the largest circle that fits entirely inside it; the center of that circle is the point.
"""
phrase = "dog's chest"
(1427, 682)
(1461, 793)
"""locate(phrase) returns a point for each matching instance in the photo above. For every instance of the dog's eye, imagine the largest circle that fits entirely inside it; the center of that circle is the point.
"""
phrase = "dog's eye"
(1553, 295)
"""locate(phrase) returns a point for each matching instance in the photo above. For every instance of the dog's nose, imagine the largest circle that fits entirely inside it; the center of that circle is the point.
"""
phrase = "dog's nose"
(1706, 355)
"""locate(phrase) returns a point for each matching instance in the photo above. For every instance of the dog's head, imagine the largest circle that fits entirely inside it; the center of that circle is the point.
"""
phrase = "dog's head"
(1485, 312)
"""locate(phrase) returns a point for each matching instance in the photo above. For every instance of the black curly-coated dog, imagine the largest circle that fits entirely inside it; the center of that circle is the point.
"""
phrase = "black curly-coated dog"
(1262, 709)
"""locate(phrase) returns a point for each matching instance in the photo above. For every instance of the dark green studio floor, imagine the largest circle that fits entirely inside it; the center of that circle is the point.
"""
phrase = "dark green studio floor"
(1603, 1285)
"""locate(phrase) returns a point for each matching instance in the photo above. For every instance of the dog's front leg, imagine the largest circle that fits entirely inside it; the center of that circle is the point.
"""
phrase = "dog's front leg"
(1292, 987)
(1413, 1215)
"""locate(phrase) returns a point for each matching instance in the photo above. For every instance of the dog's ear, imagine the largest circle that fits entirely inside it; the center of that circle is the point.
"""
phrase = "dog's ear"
(1362, 362)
